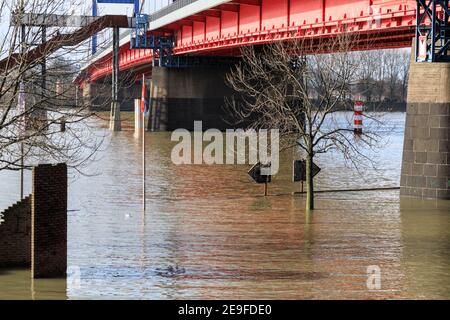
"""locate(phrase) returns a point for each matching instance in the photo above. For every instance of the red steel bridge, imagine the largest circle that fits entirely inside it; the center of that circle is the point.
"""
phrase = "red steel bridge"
(220, 28)
(211, 30)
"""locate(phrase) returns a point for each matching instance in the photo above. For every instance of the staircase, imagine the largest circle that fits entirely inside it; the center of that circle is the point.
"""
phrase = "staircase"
(14, 207)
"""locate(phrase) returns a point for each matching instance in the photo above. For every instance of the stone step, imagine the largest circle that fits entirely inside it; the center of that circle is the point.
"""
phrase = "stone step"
(18, 203)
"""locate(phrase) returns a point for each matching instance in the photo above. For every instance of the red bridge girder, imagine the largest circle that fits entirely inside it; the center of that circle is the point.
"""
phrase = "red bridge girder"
(224, 29)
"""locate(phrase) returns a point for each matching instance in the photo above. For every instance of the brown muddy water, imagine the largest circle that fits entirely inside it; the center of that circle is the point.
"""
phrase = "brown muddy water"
(208, 233)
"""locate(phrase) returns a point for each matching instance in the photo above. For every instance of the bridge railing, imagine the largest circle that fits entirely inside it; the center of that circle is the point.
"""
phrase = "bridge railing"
(178, 4)
(107, 45)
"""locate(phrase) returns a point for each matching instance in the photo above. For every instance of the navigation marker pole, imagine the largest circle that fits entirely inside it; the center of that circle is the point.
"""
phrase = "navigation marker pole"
(143, 161)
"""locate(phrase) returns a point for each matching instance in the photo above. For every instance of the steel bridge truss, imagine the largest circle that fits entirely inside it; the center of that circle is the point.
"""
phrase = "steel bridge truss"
(433, 31)
(95, 12)
(162, 46)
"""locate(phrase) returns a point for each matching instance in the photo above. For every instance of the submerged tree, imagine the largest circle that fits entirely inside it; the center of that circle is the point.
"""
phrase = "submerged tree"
(299, 89)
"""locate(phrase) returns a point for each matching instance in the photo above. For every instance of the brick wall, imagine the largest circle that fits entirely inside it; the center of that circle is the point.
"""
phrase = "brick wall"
(426, 151)
(49, 221)
(15, 235)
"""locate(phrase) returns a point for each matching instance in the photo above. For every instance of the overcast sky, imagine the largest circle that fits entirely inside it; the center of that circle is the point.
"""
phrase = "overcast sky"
(84, 7)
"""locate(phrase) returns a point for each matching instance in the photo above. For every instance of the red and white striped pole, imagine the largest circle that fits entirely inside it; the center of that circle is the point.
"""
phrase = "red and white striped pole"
(358, 117)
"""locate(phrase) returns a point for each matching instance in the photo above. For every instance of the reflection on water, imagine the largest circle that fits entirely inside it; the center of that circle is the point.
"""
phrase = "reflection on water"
(208, 232)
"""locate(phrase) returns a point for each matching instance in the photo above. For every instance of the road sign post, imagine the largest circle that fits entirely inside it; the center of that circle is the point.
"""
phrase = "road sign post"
(299, 171)
(255, 173)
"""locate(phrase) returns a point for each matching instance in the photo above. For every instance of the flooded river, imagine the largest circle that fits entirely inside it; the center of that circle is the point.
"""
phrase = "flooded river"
(209, 233)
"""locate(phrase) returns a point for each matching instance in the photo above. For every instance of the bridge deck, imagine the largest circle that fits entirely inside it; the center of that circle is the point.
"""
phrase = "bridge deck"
(218, 27)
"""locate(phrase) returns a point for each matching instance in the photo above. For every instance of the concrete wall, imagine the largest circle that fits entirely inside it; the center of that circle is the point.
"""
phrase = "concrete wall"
(15, 235)
(190, 94)
(49, 221)
(426, 154)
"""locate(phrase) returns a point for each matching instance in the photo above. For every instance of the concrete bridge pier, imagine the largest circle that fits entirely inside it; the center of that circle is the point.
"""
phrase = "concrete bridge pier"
(98, 96)
(426, 155)
(115, 123)
(181, 96)
(95, 96)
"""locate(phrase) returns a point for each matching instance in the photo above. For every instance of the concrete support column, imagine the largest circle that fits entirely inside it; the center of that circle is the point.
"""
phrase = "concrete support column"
(426, 154)
(161, 87)
(138, 123)
(97, 96)
(182, 96)
(128, 94)
(115, 121)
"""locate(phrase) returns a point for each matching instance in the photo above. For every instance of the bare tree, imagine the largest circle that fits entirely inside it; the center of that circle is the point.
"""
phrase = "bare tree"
(405, 56)
(365, 86)
(383, 76)
(301, 90)
(37, 96)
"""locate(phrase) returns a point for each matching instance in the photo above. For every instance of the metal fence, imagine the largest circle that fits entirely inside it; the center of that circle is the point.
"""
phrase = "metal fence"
(177, 4)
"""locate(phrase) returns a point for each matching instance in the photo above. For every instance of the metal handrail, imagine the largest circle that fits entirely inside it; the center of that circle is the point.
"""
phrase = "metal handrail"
(178, 4)
(107, 46)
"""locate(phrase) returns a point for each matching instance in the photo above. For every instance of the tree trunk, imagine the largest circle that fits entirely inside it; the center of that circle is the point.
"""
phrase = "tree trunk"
(309, 183)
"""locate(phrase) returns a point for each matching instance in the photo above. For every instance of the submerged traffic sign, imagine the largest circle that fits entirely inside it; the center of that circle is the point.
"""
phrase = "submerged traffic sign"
(255, 173)
(299, 169)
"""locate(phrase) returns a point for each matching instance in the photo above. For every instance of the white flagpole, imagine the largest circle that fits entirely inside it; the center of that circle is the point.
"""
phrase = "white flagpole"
(143, 149)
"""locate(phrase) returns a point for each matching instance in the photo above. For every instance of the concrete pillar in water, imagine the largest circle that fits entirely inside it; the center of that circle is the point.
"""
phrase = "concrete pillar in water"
(138, 123)
(49, 221)
(128, 95)
(115, 122)
(96, 96)
(160, 98)
(426, 155)
(182, 96)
